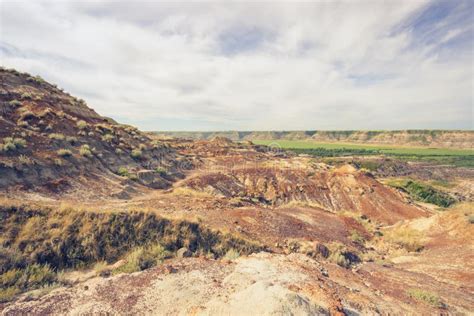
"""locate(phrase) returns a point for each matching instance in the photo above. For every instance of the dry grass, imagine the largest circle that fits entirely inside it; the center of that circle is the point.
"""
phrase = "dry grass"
(407, 238)
(185, 191)
(425, 297)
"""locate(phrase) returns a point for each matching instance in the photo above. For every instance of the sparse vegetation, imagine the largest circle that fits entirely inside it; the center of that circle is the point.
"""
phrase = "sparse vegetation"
(405, 237)
(340, 255)
(425, 297)
(357, 237)
(424, 193)
(84, 238)
(16, 281)
(142, 258)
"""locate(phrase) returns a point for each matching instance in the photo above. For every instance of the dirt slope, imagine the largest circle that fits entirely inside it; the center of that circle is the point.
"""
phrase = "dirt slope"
(261, 284)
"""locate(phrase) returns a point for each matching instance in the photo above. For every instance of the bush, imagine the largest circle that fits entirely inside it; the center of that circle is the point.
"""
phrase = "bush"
(26, 96)
(107, 137)
(14, 103)
(357, 237)
(85, 151)
(58, 162)
(161, 171)
(32, 277)
(426, 297)
(118, 151)
(12, 144)
(424, 193)
(25, 160)
(470, 219)
(340, 255)
(23, 124)
(232, 254)
(57, 136)
(122, 171)
(71, 139)
(64, 152)
(136, 153)
(142, 258)
(81, 124)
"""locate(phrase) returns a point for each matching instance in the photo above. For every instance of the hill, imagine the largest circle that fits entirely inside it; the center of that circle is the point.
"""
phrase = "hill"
(52, 142)
(428, 138)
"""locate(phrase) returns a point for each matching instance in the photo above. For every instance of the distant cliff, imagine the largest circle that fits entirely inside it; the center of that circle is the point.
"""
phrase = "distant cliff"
(429, 138)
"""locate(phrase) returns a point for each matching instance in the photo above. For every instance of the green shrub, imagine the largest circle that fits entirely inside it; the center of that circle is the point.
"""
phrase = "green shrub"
(426, 297)
(15, 103)
(64, 152)
(26, 96)
(161, 171)
(85, 151)
(470, 219)
(71, 139)
(36, 79)
(12, 144)
(107, 137)
(424, 193)
(81, 124)
(136, 153)
(19, 142)
(122, 171)
(57, 136)
(118, 151)
(357, 237)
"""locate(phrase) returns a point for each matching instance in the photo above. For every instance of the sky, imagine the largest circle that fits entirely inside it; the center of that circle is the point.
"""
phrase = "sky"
(334, 65)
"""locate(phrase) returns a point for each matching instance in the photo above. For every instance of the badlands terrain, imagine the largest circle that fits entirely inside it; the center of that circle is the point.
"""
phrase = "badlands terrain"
(99, 217)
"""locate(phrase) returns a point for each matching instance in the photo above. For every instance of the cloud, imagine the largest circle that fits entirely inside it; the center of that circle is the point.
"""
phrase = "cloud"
(247, 66)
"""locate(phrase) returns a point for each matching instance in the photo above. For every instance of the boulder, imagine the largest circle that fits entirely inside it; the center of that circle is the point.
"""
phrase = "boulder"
(183, 253)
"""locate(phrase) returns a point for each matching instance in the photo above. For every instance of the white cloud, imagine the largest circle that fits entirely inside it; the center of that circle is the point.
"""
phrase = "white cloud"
(247, 66)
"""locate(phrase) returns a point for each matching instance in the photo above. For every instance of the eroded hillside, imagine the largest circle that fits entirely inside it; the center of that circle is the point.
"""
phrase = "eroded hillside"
(54, 143)
(98, 217)
(431, 138)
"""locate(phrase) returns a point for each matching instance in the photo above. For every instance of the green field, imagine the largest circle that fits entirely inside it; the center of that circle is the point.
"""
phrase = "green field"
(458, 157)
